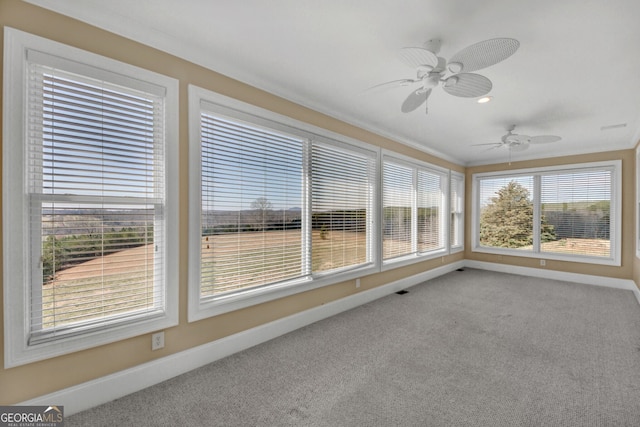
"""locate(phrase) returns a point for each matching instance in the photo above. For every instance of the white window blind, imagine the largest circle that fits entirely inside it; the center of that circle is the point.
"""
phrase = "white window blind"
(576, 212)
(96, 194)
(398, 205)
(341, 199)
(457, 211)
(429, 211)
(506, 212)
(251, 206)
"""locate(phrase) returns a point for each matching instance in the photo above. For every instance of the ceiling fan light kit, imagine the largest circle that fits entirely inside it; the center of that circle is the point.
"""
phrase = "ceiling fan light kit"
(454, 67)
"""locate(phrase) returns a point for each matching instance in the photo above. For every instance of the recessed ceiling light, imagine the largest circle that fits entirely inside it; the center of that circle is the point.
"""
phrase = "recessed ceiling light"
(484, 99)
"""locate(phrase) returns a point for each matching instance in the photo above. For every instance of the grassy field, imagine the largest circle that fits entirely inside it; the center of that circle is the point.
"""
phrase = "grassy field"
(573, 246)
(263, 258)
(78, 293)
(592, 247)
(273, 256)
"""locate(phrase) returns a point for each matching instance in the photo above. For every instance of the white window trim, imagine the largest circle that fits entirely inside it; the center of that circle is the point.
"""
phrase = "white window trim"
(445, 226)
(197, 309)
(15, 228)
(457, 248)
(637, 205)
(616, 212)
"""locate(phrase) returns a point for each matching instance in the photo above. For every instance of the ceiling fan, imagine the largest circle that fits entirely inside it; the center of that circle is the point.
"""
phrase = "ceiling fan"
(515, 142)
(431, 69)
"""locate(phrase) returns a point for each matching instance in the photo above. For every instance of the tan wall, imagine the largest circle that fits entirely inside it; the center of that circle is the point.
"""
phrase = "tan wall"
(636, 271)
(625, 271)
(25, 382)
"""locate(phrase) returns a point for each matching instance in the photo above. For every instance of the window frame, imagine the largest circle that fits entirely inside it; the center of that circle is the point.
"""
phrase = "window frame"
(17, 228)
(444, 225)
(637, 201)
(233, 108)
(459, 223)
(615, 206)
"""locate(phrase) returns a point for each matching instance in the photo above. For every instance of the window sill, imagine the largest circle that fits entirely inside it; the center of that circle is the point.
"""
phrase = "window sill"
(412, 259)
(24, 354)
(199, 310)
(584, 259)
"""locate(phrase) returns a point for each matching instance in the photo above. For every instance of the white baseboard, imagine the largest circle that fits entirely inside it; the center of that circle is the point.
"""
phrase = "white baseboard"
(102, 390)
(609, 282)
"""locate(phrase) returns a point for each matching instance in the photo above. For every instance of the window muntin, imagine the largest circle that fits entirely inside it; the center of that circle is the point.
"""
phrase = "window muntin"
(569, 213)
(88, 145)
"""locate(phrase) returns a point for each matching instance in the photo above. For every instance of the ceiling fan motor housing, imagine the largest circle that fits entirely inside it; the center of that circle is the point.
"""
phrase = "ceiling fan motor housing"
(513, 139)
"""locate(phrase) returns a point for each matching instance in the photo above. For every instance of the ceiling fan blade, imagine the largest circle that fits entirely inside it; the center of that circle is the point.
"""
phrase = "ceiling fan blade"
(417, 56)
(488, 143)
(414, 100)
(392, 84)
(485, 54)
(467, 85)
(544, 139)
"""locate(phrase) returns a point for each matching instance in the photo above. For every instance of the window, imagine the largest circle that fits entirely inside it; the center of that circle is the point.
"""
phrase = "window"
(456, 236)
(277, 208)
(413, 203)
(506, 215)
(398, 210)
(251, 206)
(576, 213)
(90, 231)
(637, 178)
(341, 202)
(568, 213)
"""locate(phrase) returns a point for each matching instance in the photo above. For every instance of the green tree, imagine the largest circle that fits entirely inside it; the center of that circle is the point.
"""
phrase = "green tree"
(507, 221)
(53, 257)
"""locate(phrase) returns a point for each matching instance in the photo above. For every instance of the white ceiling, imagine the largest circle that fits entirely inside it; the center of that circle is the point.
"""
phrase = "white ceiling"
(577, 68)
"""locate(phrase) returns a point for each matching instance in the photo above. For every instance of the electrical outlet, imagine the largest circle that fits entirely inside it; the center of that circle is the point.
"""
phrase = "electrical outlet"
(157, 341)
(543, 262)
(358, 282)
